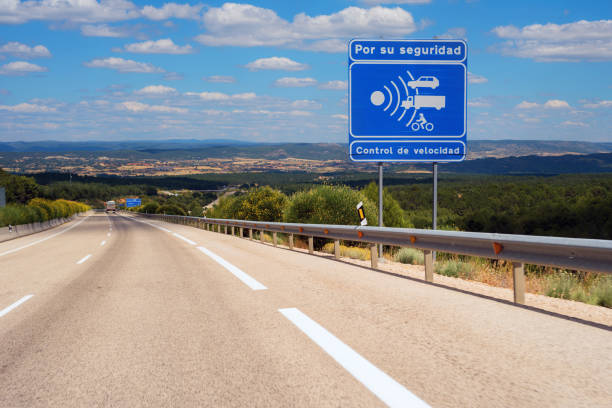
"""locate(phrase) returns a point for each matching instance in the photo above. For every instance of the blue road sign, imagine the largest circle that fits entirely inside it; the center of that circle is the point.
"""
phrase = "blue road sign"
(407, 100)
(132, 202)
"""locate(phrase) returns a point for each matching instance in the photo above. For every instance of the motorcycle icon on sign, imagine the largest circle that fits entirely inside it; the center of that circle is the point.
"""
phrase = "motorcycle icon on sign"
(421, 123)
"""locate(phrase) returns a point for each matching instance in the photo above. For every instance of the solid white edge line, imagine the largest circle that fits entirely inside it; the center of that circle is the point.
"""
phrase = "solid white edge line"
(14, 305)
(382, 385)
(44, 239)
(102, 243)
(179, 236)
(246, 279)
(86, 257)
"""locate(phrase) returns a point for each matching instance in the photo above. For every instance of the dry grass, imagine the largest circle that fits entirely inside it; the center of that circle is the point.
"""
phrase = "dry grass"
(348, 252)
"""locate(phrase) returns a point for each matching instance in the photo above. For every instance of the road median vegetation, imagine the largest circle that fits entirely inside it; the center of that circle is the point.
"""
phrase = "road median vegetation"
(39, 210)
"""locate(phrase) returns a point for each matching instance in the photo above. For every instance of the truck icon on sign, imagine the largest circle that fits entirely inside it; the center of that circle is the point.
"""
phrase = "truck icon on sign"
(424, 101)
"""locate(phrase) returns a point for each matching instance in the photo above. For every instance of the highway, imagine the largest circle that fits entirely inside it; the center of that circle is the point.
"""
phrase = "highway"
(113, 310)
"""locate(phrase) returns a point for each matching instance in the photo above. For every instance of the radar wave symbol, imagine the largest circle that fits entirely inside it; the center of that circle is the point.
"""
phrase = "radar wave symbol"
(392, 95)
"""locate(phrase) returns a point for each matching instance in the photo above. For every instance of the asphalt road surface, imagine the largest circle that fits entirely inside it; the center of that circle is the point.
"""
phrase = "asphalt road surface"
(125, 312)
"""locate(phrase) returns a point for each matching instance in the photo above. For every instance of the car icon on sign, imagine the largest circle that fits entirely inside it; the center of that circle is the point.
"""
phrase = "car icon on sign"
(425, 82)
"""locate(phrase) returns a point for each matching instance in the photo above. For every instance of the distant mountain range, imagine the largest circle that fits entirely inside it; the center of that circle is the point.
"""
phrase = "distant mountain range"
(101, 146)
(536, 165)
(180, 156)
(223, 148)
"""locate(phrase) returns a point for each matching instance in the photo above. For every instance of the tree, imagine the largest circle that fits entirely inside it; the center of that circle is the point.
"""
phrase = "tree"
(393, 215)
(19, 189)
(329, 205)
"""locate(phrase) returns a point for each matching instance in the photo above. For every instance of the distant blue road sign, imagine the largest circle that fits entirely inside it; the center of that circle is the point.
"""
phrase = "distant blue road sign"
(132, 202)
(407, 100)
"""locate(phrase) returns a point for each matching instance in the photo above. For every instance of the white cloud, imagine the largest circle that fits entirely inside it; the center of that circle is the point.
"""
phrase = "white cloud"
(133, 106)
(292, 82)
(478, 103)
(173, 76)
(246, 25)
(79, 11)
(222, 79)
(556, 104)
(454, 33)
(340, 116)
(27, 108)
(123, 65)
(219, 96)
(574, 123)
(90, 11)
(156, 90)
(335, 85)
(527, 105)
(24, 51)
(600, 104)
(549, 104)
(163, 46)
(577, 41)
(20, 68)
(103, 30)
(476, 79)
(299, 113)
(395, 1)
(332, 45)
(277, 63)
(215, 112)
(172, 10)
(306, 104)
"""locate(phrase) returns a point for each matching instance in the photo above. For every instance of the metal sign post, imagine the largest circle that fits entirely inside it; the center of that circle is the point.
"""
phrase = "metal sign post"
(434, 220)
(380, 205)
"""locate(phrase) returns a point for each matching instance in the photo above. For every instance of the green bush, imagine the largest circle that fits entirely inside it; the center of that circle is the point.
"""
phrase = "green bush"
(39, 210)
(602, 292)
(19, 189)
(170, 209)
(258, 204)
(410, 256)
(454, 269)
(567, 285)
(149, 208)
(393, 215)
(329, 205)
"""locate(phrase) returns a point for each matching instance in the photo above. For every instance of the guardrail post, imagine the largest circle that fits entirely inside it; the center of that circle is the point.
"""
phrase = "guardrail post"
(225, 229)
(233, 230)
(241, 232)
(429, 265)
(274, 238)
(310, 245)
(261, 235)
(518, 274)
(374, 256)
(290, 241)
(337, 249)
(251, 234)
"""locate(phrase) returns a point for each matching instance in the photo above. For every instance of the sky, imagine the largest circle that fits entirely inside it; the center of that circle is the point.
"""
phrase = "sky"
(276, 71)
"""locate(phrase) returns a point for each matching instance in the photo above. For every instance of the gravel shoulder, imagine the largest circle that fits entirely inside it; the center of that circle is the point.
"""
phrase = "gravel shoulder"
(565, 308)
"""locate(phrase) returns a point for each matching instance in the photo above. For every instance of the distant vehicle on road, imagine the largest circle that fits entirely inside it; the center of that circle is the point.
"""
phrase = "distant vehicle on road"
(111, 206)
(425, 82)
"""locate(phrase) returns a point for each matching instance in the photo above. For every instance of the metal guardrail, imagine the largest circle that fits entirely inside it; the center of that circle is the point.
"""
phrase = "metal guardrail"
(592, 255)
